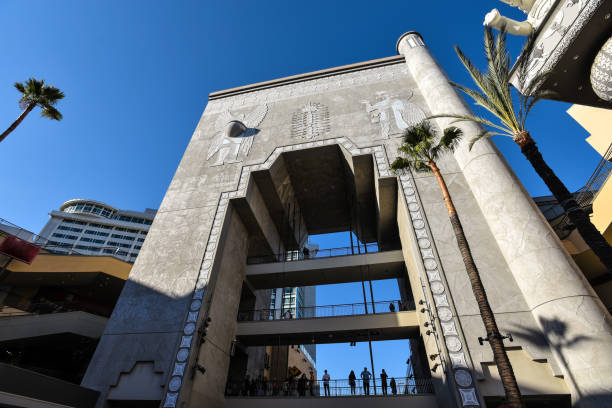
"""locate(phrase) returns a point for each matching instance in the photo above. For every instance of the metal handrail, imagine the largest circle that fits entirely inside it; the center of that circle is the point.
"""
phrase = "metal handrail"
(587, 194)
(48, 307)
(291, 256)
(295, 387)
(316, 312)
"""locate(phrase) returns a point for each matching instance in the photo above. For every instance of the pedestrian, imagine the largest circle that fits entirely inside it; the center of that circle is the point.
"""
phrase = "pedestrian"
(391, 307)
(365, 377)
(312, 384)
(352, 383)
(246, 386)
(393, 386)
(383, 380)
(326, 383)
(302, 385)
(306, 252)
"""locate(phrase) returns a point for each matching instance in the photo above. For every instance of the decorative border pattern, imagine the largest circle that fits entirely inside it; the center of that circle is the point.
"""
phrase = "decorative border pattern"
(310, 87)
(461, 375)
(585, 14)
(436, 278)
(191, 320)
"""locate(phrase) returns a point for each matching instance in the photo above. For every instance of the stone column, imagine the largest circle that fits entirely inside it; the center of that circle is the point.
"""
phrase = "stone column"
(570, 315)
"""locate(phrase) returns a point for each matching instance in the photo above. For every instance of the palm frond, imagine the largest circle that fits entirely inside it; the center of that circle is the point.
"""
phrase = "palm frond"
(51, 113)
(52, 94)
(421, 166)
(401, 163)
(19, 86)
(450, 138)
(490, 104)
(482, 135)
(476, 119)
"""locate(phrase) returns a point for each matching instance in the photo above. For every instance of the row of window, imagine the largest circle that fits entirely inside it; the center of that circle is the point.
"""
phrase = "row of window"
(65, 228)
(119, 244)
(65, 236)
(89, 209)
(95, 241)
(73, 222)
(93, 224)
(128, 237)
(135, 220)
(141, 239)
(100, 233)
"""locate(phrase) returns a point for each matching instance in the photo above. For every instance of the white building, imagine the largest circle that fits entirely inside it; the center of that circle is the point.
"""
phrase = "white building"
(94, 228)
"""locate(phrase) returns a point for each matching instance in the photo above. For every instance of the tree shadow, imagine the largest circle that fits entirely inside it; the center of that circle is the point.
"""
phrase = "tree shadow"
(554, 332)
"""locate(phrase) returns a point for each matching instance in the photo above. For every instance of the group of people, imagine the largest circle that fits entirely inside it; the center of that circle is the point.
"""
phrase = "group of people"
(261, 386)
(365, 380)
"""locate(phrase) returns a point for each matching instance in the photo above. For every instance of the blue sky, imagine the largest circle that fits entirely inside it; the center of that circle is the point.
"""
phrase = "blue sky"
(137, 75)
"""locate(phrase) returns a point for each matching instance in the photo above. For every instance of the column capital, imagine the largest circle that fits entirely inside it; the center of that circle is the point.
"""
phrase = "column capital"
(410, 39)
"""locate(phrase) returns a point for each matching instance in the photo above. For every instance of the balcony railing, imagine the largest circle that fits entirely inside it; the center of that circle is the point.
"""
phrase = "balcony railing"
(50, 307)
(336, 388)
(314, 312)
(291, 256)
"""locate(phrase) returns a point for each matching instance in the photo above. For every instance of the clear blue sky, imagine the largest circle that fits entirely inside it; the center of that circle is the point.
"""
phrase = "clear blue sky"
(137, 75)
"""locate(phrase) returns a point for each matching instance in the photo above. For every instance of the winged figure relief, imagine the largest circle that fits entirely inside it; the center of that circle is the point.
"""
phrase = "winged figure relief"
(386, 108)
(234, 135)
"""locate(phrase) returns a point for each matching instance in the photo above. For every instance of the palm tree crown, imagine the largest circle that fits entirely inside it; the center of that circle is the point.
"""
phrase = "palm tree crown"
(495, 95)
(494, 89)
(36, 93)
(421, 149)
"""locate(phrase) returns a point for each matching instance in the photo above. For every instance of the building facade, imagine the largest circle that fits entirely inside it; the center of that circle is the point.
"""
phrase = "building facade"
(94, 228)
(271, 180)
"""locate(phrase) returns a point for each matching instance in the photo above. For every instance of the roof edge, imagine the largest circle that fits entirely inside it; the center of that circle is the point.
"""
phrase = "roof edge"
(396, 59)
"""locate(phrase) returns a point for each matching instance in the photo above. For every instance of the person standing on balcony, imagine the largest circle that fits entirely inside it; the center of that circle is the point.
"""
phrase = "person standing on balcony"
(326, 383)
(365, 377)
(352, 383)
(383, 380)
(393, 386)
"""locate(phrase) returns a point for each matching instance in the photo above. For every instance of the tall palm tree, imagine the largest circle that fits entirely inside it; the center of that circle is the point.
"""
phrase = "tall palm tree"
(420, 152)
(35, 93)
(494, 94)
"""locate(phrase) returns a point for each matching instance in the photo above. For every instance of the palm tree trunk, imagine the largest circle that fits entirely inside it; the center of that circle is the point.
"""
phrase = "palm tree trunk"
(577, 216)
(506, 373)
(17, 122)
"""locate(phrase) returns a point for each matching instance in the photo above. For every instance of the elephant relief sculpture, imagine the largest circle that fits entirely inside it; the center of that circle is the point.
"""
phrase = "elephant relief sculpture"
(536, 10)
(234, 135)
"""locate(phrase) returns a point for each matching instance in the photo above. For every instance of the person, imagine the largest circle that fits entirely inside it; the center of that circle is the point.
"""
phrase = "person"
(306, 252)
(312, 384)
(301, 385)
(352, 384)
(393, 386)
(383, 380)
(326, 383)
(365, 377)
(391, 307)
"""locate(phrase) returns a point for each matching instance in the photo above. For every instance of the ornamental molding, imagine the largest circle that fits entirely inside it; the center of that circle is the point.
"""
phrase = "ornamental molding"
(311, 87)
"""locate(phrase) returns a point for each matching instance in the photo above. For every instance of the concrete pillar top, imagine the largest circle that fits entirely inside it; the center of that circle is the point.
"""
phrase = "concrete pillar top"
(405, 37)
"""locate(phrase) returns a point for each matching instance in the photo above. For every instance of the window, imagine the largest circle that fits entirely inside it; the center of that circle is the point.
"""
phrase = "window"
(141, 239)
(96, 241)
(65, 236)
(73, 222)
(65, 228)
(100, 233)
(137, 247)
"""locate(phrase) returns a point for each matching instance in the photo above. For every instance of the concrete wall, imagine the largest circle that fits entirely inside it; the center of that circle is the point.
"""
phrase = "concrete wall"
(526, 271)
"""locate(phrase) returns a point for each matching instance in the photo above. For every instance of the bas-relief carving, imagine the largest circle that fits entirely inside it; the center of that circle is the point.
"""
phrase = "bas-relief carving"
(310, 121)
(234, 135)
(388, 110)
(558, 33)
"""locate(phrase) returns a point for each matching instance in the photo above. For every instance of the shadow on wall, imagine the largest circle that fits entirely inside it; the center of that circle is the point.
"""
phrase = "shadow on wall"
(556, 331)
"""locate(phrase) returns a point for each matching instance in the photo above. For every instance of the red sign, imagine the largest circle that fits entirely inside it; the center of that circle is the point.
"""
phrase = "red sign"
(19, 249)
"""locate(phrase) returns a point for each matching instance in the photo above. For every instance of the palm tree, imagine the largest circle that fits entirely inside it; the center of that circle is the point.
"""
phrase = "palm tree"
(420, 152)
(35, 93)
(494, 94)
